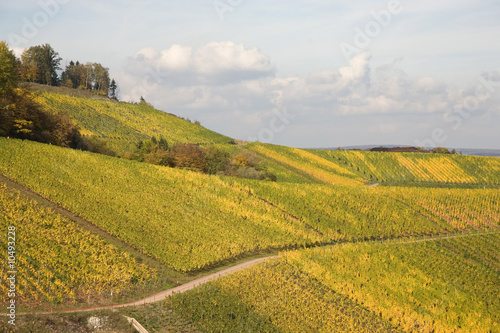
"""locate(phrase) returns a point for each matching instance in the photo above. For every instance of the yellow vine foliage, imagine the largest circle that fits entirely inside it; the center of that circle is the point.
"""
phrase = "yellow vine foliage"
(57, 261)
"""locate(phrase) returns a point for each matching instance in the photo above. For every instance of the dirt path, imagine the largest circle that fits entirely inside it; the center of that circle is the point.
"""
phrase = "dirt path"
(448, 236)
(179, 289)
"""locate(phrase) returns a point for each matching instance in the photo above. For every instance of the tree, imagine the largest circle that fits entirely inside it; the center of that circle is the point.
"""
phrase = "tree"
(246, 158)
(40, 64)
(440, 150)
(162, 143)
(112, 90)
(26, 119)
(8, 70)
(74, 75)
(91, 76)
(217, 160)
(189, 156)
(8, 84)
(99, 78)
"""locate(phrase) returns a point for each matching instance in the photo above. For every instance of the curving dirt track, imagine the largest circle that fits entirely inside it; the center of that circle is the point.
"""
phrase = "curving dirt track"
(179, 289)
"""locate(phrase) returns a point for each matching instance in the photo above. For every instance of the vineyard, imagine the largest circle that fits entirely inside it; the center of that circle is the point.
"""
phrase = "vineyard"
(190, 221)
(271, 297)
(405, 285)
(185, 219)
(59, 262)
(464, 209)
(432, 286)
(349, 213)
(418, 168)
(123, 125)
(297, 165)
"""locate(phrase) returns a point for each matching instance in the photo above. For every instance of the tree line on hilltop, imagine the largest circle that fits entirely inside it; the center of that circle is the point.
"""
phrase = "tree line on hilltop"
(41, 63)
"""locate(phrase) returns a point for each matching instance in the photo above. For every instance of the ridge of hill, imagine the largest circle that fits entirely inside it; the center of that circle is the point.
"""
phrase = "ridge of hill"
(123, 125)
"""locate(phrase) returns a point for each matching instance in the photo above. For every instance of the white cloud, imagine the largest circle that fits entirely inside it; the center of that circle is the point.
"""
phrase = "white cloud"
(358, 69)
(176, 58)
(227, 56)
(215, 63)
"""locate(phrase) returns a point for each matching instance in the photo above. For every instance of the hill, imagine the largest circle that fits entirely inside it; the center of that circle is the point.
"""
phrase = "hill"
(123, 125)
(190, 220)
(185, 219)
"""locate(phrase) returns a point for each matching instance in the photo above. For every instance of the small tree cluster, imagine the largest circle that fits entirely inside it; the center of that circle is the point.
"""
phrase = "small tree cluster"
(442, 150)
(247, 164)
(209, 160)
(40, 64)
(91, 76)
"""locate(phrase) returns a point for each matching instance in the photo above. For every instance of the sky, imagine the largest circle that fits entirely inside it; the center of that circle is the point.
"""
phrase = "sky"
(306, 74)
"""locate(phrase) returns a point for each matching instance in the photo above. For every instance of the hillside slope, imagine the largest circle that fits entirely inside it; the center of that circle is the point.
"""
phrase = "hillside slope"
(123, 125)
(56, 260)
(426, 285)
(190, 220)
(185, 219)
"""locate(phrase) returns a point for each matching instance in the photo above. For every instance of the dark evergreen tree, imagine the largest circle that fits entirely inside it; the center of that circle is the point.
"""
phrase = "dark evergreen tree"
(112, 90)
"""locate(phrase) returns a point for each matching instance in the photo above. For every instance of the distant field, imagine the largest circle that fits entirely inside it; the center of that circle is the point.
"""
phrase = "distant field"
(297, 165)
(58, 261)
(418, 168)
(123, 125)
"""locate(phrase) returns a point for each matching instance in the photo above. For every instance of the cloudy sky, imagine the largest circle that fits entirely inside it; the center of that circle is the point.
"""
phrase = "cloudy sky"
(311, 73)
